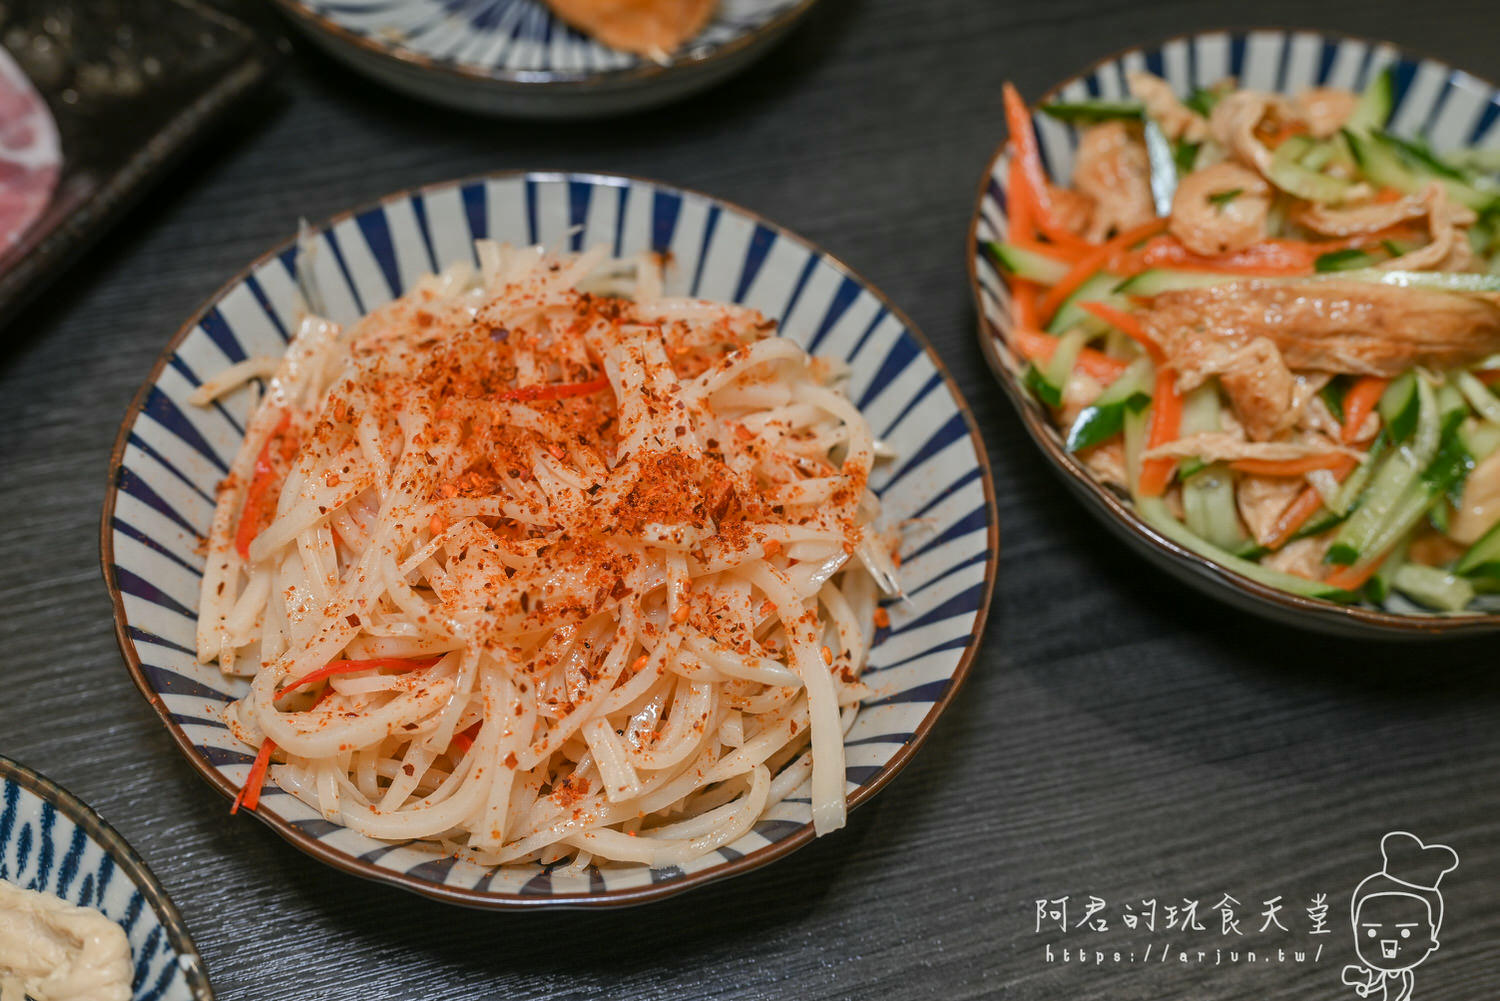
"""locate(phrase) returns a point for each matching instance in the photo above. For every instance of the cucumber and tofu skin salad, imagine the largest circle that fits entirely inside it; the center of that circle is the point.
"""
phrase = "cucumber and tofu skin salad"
(1275, 326)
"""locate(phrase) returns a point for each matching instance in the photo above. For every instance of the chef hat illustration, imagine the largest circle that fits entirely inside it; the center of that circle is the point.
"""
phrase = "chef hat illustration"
(1409, 866)
(1409, 861)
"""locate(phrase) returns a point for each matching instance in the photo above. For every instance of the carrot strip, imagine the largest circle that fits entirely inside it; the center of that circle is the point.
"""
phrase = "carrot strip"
(256, 497)
(1032, 192)
(249, 794)
(1353, 577)
(464, 740)
(1489, 376)
(1022, 224)
(1128, 324)
(1038, 347)
(1358, 402)
(1294, 517)
(1023, 308)
(353, 667)
(1291, 467)
(1093, 261)
(555, 390)
(1166, 423)
(1275, 137)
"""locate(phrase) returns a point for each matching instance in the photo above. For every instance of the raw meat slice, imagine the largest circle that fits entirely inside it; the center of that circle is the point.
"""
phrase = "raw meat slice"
(30, 153)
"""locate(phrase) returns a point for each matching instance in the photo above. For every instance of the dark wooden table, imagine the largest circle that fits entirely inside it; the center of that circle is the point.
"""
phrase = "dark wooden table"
(1120, 736)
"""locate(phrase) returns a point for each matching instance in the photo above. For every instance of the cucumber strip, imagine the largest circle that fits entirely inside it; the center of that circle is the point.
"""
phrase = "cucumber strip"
(1446, 470)
(1434, 588)
(1190, 467)
(1154, 512)
(1288, 174)
(1320, 155)
(1093, 111)
(1354, 485)
(1203, 99)
(1453, 407)
(1035, 379)
(1327, 485)
(1070, 314)
(1382, 504)
(1135, 443)
(1200, 415)
(1383, 159)
(1417, 152)
(1347, 259)
(1333, 396)
(1398, 406)
(1420, 167)
(1163, 165)
(1437, 517)
(1378, 587)
(1485, 403)
(1402, 518)
(1481, 438)
(1155, 281)
(1450, 468)
(1376, 102)
(1209, 508)
(1389, 484)
(1441, 281)
(1064, 357)
(1484, 161)
(1483, 557)
(1318, 524)
(1200, 410)
(1105, 418)
(1028, 264)
(1428, 435)
(1378, 163)
(1185, 156)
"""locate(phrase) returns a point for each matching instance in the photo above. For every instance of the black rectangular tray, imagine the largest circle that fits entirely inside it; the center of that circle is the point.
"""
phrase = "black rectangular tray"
(132, 84)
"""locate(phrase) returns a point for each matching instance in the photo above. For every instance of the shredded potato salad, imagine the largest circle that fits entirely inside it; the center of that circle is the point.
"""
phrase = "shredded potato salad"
(539, 564)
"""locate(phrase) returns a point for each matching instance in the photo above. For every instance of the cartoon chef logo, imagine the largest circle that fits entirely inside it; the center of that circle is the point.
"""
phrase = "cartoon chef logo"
(1397, 913)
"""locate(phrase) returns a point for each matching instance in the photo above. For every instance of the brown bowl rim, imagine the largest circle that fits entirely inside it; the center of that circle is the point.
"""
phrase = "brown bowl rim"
(515, 901)
(1323, 613)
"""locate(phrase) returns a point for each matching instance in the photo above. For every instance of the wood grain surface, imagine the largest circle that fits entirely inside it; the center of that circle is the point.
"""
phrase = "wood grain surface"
(1120, 735)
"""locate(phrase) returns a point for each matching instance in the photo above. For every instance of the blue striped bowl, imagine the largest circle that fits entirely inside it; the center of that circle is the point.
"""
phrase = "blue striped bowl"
(515, 57)
(170, 455)
(50, 842)
(1446, 106)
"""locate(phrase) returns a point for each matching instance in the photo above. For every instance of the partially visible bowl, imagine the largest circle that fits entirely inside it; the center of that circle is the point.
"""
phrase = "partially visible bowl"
(1433, 100)
(52, 843)
(170, 455)
(516, 58)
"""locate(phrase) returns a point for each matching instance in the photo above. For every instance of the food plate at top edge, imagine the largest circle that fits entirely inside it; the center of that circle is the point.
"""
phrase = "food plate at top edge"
(52, 844)
(519, 58)
(171, 455)
(1400, 108)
